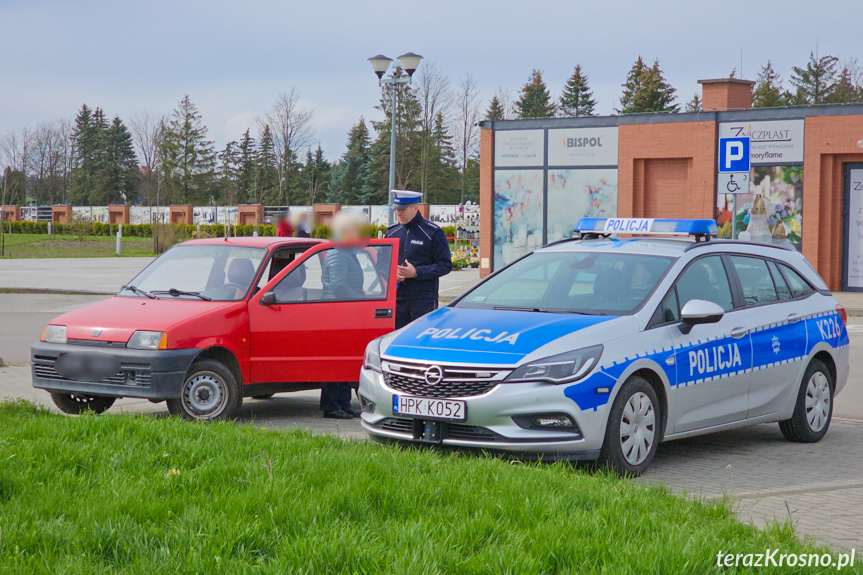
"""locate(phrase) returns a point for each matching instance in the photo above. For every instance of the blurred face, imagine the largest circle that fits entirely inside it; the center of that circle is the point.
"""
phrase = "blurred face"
(407, 214)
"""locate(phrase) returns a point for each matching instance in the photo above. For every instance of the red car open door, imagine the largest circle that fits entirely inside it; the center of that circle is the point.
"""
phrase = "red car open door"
(312, 322)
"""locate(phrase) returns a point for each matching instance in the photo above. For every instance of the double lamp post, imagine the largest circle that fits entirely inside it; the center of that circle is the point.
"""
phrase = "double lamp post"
(409, 63)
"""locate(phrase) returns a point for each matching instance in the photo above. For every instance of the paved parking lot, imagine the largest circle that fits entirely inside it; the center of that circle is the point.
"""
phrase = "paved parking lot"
(818, 487)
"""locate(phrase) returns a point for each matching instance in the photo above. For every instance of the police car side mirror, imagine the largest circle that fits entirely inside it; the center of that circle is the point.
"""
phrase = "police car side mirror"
(697, 311)
(268, 298)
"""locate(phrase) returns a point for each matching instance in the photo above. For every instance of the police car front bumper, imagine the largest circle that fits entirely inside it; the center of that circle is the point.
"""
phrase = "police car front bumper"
(498, 420)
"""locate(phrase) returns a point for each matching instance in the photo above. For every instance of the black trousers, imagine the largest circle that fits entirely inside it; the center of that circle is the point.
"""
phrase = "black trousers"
(411, 309)
(335, 396)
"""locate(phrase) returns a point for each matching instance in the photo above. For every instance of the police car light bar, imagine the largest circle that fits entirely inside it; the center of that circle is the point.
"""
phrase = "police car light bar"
(647, 226)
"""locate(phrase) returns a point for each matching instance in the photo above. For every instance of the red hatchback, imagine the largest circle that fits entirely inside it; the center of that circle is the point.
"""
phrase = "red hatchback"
(214, 320)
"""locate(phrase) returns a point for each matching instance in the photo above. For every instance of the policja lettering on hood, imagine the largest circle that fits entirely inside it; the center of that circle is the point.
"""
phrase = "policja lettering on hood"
(473, 333)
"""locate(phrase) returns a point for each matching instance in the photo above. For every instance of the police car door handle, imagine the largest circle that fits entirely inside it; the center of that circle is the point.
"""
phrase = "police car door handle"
(793, 317)
(739, 332)
(384, 313)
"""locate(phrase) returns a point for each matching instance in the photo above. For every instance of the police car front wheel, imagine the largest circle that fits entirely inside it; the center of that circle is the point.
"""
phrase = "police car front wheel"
(633, 429)
(814, 408)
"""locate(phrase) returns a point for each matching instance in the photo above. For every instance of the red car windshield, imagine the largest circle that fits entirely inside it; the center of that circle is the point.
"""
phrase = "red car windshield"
(205, 272)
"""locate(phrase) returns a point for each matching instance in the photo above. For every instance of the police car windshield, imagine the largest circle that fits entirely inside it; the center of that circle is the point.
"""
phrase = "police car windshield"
(593, 283)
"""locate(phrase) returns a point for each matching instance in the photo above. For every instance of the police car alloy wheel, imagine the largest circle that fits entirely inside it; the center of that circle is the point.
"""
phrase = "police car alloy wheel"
(633, 429)
(814, 408)
(209, 392)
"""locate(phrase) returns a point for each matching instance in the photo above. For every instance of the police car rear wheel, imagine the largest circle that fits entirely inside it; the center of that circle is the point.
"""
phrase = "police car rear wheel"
(209, 392)
(814, 408)
(76, 404)
(632, 433)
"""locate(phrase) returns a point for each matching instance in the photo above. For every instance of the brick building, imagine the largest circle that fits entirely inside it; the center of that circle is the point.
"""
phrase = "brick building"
(538, 176)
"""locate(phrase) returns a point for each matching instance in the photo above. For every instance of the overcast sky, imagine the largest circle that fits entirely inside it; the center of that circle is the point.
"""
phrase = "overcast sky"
(234, 57)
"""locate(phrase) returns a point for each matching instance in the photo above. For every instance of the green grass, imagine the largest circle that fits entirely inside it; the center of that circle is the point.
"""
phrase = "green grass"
(59, 246)
(137, 494)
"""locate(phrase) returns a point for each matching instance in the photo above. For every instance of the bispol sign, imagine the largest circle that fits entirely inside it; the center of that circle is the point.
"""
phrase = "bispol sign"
(594, 147)
(595, 142)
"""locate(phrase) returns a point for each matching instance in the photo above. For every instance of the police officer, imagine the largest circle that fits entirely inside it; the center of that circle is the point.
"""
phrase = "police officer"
(424, 257)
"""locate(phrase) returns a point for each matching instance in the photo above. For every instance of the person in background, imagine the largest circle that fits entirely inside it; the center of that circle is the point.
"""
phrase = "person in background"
(284, 229)
(424, 257)
(342, 279)
(301, 224)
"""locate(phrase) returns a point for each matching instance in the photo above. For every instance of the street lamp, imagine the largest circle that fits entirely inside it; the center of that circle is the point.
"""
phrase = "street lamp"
(409, 62)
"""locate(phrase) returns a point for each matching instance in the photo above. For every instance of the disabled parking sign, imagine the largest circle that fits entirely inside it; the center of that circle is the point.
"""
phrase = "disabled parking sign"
(734, 165)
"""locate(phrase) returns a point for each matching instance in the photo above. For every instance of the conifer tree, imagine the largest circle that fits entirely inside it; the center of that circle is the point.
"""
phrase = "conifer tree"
(815, 83)
(229, 173)
(119, 173)
(350, 177)
(248, 162)
(188, 157)
(845, 92)
(577, 99)
(84, 167)
(768, 91)
(495, 110)
(647, 90)
(632, 88)
(316, 173)
(266, 175)
(694, 105)
(535, 100)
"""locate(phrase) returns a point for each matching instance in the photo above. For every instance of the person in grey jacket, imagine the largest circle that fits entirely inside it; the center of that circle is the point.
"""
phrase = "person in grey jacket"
(342, 278)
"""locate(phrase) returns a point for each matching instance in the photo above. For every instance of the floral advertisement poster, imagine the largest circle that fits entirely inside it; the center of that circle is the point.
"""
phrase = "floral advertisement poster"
(576, 194)
(782, 190)
(517, 214)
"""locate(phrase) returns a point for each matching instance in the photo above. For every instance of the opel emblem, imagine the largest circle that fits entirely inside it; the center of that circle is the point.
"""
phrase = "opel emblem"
(434, 375)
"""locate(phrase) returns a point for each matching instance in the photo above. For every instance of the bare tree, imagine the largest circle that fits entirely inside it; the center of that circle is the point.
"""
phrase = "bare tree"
(15, 148)
(148, 131)
(290, 122)
(432, 90)
(467, 115)
(505, 97)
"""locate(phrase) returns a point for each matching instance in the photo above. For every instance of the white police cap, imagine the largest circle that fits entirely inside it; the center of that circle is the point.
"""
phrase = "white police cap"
(404, 198)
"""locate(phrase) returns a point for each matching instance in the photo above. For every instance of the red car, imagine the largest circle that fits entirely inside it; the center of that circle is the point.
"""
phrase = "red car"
(214, 320)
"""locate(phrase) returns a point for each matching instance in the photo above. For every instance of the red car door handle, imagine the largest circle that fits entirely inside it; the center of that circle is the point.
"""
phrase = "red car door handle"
(383, 313)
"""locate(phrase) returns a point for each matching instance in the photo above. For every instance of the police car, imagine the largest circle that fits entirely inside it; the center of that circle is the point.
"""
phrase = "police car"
(604, 346)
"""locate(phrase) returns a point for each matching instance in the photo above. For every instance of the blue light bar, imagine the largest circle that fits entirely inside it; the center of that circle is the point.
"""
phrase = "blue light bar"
(647, 226)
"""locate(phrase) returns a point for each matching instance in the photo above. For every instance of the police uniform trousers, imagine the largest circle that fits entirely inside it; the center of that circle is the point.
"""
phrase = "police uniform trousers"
(408, 310)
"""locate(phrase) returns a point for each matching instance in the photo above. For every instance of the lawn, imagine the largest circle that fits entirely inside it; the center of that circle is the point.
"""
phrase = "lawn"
(141, 494)
(58, 246)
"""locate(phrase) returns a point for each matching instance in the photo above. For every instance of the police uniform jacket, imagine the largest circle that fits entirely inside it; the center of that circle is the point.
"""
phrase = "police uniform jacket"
(425, 246)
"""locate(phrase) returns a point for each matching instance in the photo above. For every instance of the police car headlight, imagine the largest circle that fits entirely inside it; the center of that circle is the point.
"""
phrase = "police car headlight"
(148, 340)
(54, 334)
(563, 368)
(372, 357)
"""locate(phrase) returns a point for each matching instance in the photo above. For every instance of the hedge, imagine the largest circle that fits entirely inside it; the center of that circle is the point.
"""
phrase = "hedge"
(133, 230)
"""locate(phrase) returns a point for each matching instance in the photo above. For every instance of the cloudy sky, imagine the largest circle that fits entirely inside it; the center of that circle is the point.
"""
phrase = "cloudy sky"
(234, 57)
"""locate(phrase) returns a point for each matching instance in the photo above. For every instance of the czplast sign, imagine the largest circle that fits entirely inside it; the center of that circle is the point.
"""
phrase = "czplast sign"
(770, 142)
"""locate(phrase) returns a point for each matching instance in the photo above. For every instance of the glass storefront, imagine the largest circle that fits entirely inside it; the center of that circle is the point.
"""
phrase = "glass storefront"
(781, 187)
(518, 214)
(579, 193)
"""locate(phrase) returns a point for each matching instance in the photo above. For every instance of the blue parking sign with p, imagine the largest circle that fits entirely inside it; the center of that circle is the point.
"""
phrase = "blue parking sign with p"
(733, 154)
